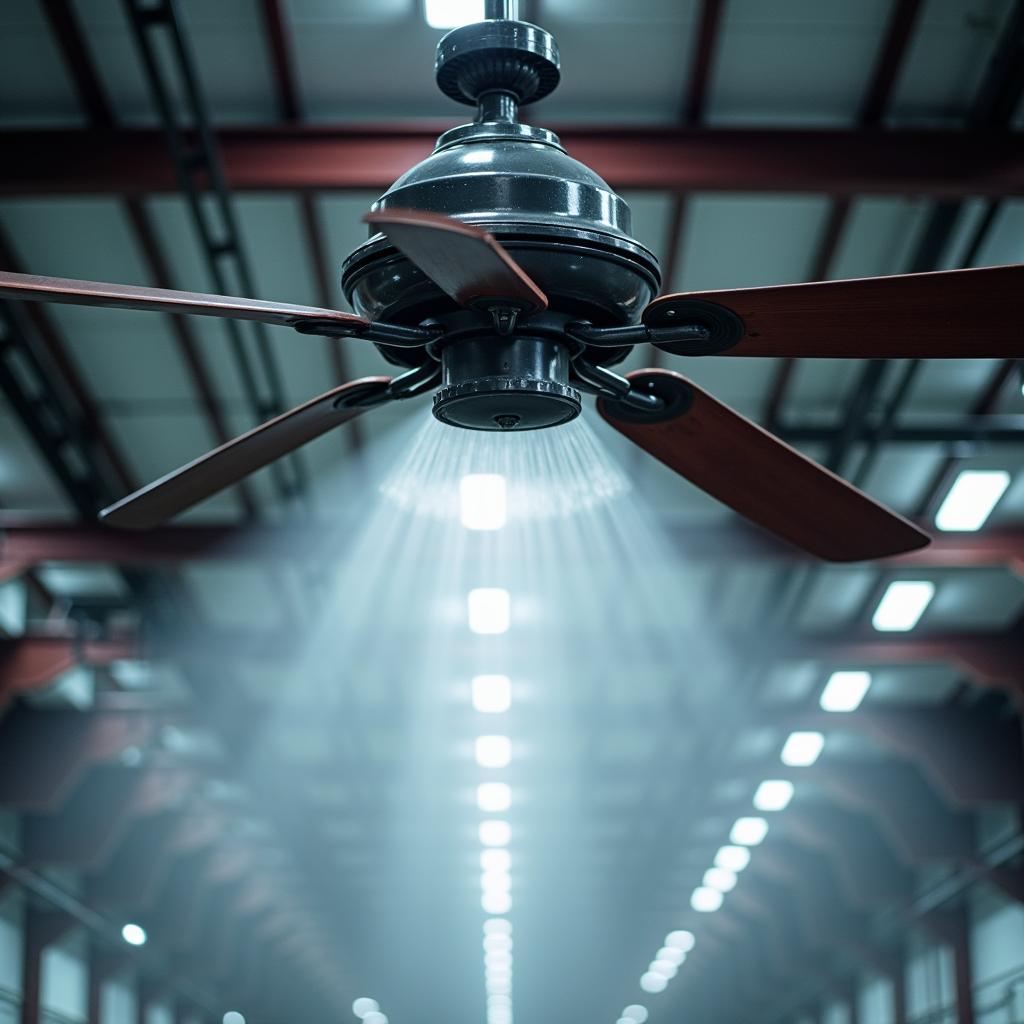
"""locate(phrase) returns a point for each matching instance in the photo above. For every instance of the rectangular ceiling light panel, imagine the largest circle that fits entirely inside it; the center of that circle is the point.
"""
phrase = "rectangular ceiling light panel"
(971, 499)
(902, 605)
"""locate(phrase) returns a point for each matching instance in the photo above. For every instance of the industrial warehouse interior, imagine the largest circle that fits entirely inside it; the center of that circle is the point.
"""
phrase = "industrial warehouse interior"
(645, 717)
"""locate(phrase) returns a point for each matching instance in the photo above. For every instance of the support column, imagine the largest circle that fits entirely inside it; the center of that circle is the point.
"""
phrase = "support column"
(898, 977)
(103, 964)
(42, 929)
(952, 928)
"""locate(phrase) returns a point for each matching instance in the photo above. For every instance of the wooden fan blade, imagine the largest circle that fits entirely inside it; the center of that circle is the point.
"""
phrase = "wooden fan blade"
(952, 314)
(464, 261)
(125, 296)
(760, 476)
(226, 465)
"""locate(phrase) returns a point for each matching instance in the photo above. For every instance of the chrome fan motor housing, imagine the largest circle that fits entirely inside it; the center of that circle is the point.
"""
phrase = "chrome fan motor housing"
(560, 221)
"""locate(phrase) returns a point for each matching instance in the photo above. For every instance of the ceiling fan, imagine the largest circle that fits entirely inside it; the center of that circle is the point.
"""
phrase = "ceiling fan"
(502, 273)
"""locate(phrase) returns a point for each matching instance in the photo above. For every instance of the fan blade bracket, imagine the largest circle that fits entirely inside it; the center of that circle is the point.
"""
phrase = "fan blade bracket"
(722, 327)
(650, 398)
(379, 331)
(410, 384)
(635, 334)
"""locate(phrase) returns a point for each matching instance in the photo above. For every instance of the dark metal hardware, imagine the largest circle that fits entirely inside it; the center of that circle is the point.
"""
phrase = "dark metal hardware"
(636, 334)
(600, 381)
(410, 384)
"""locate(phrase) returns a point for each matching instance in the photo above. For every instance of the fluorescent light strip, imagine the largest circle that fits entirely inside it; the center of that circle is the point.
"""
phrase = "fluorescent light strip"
(971, 499)
(844, 691)
(488, 610)
(452, 13)
(732, 858)
(482, 501)
(773, 795)
(902, 605)
(493, 751)
(491, 694)
(705, 900)
(498, 970)
(661, 970)
(749, 831)
(721, 879)
(493, 797)
(802, 749)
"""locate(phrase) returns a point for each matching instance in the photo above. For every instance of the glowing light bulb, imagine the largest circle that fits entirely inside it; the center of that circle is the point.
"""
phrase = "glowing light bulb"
(493, 751)
(773, 795)
(489, 610)
(902, 605)
(844, 691)
(452, 13)
(493, 796)
(492, 694)
(482, 501)
(802, 749)
(495, 833)
(705, 900)
(732, 858)
(681, 939)
(749, 831)
(971, 499)
(134, 935)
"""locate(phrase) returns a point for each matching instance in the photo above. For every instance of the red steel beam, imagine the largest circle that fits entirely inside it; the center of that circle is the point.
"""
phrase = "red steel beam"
(992, 659)
(44, 754)
(970, 758)
(25, 544)
(95, 818)
(847, 162)
(33, 662)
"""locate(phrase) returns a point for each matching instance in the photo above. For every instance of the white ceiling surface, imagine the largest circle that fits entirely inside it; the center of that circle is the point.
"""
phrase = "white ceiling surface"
(365, 60)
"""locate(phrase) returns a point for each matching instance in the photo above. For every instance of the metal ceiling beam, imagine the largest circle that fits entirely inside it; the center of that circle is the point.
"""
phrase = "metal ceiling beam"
(971, 757)
(890, 59)
(860, 161)
(694, 105)
(34, 662)
(24, 544)
(96, 816)
(991, 659)
(172, 77)
(44, 754)
(88, 85)
(184, 335)
(278, 44)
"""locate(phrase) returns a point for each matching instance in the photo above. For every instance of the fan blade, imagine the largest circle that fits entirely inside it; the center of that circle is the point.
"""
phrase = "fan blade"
(760, 476)
(465, 262)
(126, 296)
(952, 314)
(212, 472)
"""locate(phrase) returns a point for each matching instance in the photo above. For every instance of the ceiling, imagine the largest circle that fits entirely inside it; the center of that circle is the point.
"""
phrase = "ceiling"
(318, 671)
